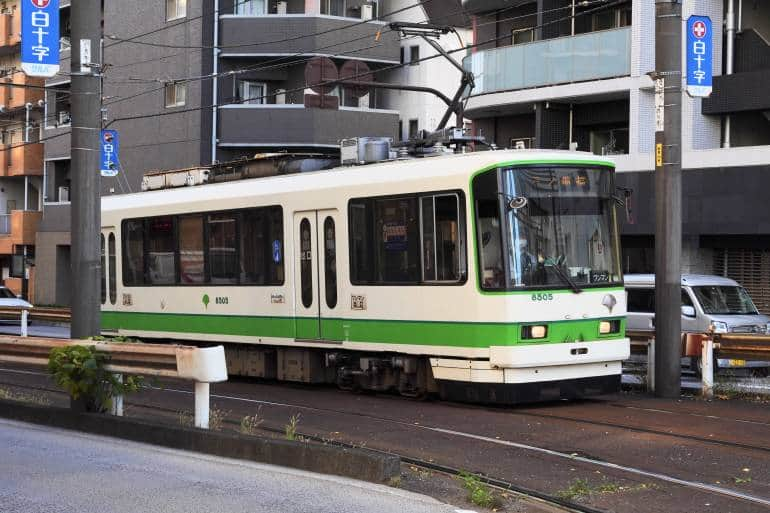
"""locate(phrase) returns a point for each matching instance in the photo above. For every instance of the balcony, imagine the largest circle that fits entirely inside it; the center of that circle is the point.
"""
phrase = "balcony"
(278, 34)
(297, 126)
(22, 91)
(10, 29)
(592, 56)
(22, 160)
(18, 228)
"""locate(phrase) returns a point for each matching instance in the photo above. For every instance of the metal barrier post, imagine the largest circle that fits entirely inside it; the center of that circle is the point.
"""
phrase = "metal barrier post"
(117, 400)
(24, 316)
(707, 366)
(201, 405)
(651, 365)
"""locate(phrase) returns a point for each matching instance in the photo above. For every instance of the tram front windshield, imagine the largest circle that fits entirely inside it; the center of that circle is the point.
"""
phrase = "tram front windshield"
(546, 227)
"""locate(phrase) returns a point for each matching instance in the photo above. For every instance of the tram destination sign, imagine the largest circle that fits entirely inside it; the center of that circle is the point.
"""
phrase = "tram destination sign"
(700, 50)
(40, 37)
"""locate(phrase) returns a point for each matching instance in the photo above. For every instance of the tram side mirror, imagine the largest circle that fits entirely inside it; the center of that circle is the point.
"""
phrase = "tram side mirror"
(688, 311)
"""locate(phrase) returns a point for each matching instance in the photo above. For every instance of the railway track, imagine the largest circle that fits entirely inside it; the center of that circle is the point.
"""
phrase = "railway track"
(503, 484)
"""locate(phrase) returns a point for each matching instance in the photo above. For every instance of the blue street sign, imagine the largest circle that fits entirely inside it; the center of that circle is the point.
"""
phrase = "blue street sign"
(110, 143)
(40, 37)
(700, 50)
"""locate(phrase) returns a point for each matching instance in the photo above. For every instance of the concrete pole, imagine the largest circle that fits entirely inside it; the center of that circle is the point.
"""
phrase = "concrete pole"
(202, 398)
(668, 200)
(86, 20)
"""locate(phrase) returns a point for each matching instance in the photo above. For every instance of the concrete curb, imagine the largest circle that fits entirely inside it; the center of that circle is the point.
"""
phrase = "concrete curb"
(325, 459)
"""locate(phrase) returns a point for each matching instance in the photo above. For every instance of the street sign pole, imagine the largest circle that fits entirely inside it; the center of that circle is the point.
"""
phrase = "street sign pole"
(668, 198)
(86, 21)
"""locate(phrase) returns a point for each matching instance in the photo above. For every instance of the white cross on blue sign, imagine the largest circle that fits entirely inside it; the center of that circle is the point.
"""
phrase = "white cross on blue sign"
(110, 144)
(700, 50)
(40, 37)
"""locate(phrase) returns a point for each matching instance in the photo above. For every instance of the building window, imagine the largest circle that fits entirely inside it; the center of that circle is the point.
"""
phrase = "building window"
(521, 36)
(250, 7)
(334, 7)
(407, 240)
(413, 128)
(176, 94)
(609, 141)
(400, 130)
(611, 18)
(414, 55)
(176, 9)
(252, 93)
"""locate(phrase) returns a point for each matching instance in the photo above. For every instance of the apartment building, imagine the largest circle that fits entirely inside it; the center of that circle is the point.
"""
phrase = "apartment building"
(21, 155)
(549, 80)
(160, 93)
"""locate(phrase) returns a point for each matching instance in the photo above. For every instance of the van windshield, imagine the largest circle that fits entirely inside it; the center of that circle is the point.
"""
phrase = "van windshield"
(725, 300)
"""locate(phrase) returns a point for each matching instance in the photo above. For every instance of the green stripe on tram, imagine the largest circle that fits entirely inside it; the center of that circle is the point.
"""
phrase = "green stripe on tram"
(430, 333)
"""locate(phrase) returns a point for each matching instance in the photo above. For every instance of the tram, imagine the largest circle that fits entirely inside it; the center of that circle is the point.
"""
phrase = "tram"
(488, 277)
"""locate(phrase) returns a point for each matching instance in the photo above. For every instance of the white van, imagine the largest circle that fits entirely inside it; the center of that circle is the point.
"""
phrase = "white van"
(709, 303)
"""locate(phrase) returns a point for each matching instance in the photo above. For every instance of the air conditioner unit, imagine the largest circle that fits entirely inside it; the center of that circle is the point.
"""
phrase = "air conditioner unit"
(367, 12)
(64, 193)
(280, 7)
(522, 143)
(64, 117)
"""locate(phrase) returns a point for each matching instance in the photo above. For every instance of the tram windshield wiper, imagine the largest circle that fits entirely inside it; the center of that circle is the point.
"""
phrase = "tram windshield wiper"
(564, 277)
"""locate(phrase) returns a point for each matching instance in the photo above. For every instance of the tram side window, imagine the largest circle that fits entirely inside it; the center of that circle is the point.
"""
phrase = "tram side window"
(406, 240)
(262, 246)
(161, 255)
(112, 262)
(133, 252)
(223, 250)
(191, 262)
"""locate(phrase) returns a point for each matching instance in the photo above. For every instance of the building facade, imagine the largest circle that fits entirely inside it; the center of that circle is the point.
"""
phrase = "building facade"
(21, 155)
(188, 83)
(548, 79)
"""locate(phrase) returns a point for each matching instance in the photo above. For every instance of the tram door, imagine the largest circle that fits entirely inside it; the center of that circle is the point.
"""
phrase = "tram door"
(315, 274)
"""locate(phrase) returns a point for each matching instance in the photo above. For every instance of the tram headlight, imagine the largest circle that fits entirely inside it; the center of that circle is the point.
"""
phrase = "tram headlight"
(537, 331)
(607, 327)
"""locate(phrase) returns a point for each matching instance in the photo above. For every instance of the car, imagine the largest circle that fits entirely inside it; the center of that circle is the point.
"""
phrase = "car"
(709, 304)
(9, 300)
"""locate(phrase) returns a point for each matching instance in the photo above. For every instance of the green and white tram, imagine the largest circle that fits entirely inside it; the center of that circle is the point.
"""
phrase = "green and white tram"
(486, 277)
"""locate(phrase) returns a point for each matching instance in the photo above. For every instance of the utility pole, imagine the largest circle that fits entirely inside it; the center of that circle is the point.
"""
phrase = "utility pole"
(86, 21)
(668, 198)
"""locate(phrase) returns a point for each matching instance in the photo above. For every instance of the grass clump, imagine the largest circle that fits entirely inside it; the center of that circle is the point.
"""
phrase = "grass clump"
(250, 423)
(479, 493)
(291, 427)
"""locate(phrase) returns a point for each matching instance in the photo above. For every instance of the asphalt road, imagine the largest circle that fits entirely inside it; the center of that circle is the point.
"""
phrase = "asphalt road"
(49, 470)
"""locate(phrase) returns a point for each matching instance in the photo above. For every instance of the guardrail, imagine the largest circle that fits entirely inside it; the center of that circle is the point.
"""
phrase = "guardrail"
(709, 347)
(201, 365)
(39, 313)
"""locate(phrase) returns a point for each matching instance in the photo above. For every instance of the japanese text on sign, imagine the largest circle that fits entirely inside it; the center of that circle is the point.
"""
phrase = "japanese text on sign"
(699, 56)
(40, 37)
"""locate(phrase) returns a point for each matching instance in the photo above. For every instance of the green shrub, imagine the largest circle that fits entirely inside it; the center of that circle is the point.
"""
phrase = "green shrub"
(80, 371)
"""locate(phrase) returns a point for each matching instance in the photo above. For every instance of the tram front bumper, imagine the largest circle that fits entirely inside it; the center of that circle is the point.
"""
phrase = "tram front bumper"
(566, 360)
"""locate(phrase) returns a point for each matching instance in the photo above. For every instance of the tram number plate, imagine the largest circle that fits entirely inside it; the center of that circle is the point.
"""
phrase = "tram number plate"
(542, 296)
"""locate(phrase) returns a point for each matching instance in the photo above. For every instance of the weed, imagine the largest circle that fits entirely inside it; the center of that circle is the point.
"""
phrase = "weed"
(25, 397)
(186, 418)
(217, 418)
(250, 423)
(395, 482)
(742, 480)
(578, 489)
(291, 427)
(479, 493)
